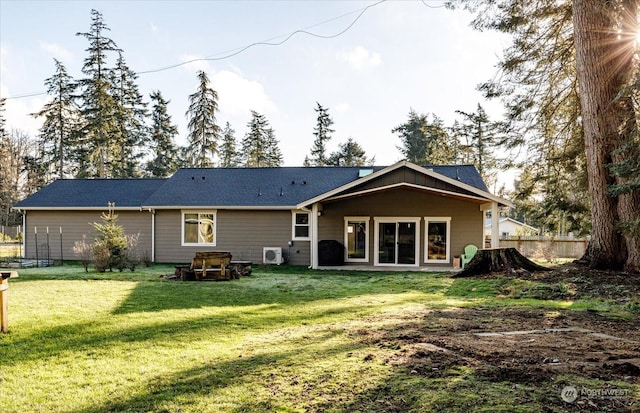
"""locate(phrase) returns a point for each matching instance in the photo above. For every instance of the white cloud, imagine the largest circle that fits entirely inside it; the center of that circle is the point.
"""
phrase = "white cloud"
(57, 51)
(237, 95)
(342, 107)
(361, 59)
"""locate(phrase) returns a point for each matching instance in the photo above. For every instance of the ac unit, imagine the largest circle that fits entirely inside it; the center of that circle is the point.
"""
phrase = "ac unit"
(272, 255)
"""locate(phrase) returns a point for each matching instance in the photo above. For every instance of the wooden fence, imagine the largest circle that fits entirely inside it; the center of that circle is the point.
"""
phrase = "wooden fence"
(547, 247)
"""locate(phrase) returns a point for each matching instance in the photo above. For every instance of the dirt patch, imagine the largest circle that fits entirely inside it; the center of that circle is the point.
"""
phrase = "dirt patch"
(582, 282)
(528, 346)
(524, 346)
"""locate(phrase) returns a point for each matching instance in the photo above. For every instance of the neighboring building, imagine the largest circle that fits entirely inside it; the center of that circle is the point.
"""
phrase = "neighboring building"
(399, 215)
(509, 227)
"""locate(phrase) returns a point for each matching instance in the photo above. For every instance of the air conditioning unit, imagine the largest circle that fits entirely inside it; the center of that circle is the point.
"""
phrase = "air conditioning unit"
(272, 255)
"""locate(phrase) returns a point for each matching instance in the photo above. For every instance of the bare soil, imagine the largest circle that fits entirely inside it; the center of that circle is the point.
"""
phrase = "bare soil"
(536, 347)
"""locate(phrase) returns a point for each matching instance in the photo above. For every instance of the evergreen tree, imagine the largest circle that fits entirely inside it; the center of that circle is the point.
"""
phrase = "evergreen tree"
(481, 138)
(60, 122)
(130, 112)
(349, 153)
(425, 142)
(165, 160)
(274, 154)
(229, 155)
(204, 133)
(322, 131)
(97, 109)
(571, 67)
(259, 146)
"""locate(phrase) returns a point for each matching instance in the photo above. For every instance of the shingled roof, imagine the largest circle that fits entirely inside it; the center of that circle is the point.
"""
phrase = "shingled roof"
(92, 193)
(282, 187)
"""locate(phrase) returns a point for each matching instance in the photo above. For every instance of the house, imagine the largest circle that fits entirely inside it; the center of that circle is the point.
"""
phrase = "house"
(399, 215)
(509, 227)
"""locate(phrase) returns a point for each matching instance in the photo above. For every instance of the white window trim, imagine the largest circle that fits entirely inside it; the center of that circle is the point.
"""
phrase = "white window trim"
(293, 225)
(215, 227)
(366, 242)
(427, 220)
(395, 220)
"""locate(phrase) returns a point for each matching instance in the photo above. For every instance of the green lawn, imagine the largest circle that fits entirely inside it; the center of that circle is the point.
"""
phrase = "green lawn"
(284, 339)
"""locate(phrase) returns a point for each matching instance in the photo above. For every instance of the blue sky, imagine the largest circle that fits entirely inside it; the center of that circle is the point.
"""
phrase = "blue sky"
(398, 55)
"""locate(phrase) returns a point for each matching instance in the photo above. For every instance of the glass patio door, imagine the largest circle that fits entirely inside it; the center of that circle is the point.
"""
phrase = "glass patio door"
(397, 243)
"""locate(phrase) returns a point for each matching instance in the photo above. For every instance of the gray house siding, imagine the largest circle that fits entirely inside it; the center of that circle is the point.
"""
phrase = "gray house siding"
(466, 217)
(243, 233)
(74, 225)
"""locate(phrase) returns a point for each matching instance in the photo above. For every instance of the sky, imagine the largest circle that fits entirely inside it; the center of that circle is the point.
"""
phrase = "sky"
(384, 58)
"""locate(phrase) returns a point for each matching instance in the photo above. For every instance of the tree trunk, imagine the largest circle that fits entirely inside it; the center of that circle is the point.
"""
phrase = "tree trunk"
(502, 260)
(604, 63)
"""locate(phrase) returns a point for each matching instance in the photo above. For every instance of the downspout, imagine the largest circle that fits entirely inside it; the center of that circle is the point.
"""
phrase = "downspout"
(24, 234)
(153, 234)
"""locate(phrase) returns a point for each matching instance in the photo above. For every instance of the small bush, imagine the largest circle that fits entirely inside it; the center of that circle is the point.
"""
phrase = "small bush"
(102, 258)
(83, 252)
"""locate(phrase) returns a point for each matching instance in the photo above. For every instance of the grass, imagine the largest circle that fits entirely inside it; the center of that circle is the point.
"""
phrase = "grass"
(285, 339)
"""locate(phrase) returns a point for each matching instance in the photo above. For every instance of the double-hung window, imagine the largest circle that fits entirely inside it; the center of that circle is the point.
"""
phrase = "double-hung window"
(199, 228)
(301, 225)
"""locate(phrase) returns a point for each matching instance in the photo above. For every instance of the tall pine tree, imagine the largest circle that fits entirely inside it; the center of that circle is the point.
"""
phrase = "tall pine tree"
(350, 153)
(97, 108)
(165, 159)
(60, 123)
(481, 138)
(568, 75)
(425, 142)
(322, 131)
(130, 112)
(204, 132)
(259, 146)
(229, 155)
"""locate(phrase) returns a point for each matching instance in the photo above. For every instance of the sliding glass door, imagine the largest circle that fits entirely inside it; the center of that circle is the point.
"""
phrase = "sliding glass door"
(397, 241)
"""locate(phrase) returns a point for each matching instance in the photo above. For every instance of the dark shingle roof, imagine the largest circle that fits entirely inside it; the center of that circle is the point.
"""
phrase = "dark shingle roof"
(87, 193)
(220, 187)
(261, 187)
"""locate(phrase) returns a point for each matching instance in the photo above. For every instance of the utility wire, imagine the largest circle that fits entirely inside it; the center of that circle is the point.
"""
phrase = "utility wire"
(268, 42)
(245, 48)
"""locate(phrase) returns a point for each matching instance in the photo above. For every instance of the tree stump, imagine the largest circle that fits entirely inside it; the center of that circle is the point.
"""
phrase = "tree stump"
(503, 260)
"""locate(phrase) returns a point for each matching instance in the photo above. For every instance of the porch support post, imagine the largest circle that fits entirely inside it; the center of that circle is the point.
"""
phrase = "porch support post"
(495, 229)
(314, 236)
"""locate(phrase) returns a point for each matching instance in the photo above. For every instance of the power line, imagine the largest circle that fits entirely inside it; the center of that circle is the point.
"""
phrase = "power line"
(433, 7)
(261, 43)
(268, 43)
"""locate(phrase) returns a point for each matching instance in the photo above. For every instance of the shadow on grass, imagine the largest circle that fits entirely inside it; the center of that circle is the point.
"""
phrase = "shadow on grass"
(273, 288)
(259, 372)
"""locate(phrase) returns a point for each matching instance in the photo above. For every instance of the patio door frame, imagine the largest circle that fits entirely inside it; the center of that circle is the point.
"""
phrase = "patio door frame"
(396, 220)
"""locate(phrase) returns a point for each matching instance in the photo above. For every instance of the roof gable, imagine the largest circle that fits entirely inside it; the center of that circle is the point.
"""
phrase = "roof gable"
(425, 178)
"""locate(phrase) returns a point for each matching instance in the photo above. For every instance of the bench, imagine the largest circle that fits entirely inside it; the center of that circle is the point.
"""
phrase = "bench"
(211, 265)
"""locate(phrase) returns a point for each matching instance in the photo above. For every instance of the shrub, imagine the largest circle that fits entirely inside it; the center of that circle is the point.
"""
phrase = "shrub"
(83, 252)
(111, 243)
(102, 258)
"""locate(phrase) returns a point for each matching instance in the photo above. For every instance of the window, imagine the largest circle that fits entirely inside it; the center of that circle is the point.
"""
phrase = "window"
(301, 225)
(438, 234)
(356, 239)
(199, 228)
